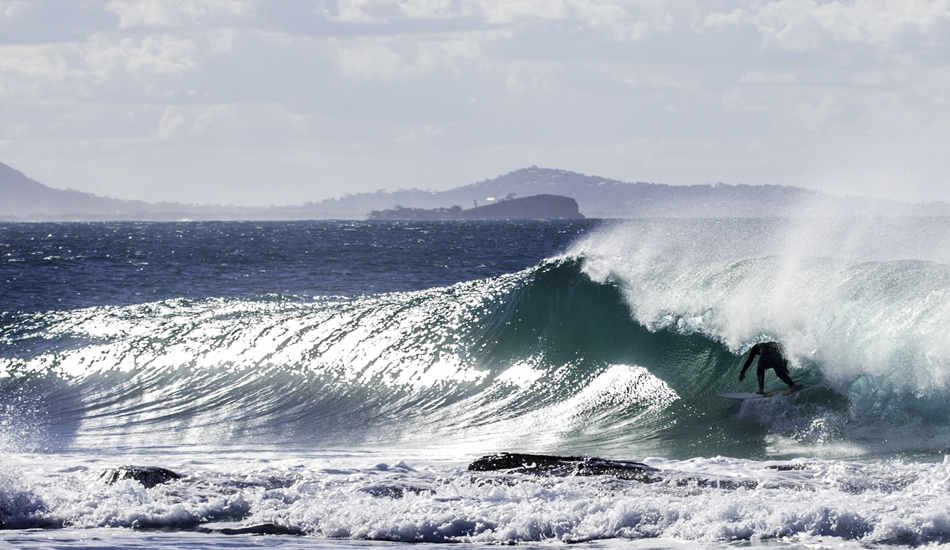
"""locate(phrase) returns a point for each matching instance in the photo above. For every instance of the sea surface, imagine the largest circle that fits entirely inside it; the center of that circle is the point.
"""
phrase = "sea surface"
(326, 384)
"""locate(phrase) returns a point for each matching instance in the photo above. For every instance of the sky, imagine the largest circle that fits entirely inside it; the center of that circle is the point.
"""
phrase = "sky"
(282, 102)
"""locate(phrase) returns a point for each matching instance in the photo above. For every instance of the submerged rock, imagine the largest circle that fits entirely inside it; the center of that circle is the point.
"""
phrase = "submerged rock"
(561, 466)
(260, 529)
(148, 476)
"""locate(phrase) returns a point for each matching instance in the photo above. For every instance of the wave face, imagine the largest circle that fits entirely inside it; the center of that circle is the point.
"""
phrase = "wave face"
(458, 363)
(616, 348)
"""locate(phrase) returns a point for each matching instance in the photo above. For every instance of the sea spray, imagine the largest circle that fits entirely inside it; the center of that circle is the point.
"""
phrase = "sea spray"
(876, 331)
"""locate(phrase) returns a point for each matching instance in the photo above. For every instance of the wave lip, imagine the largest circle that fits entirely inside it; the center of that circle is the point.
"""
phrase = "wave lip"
(862, 307)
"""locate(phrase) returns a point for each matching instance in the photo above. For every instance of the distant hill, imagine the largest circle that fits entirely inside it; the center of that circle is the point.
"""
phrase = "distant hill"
(23, 196)
(600, 197)
(24, 199)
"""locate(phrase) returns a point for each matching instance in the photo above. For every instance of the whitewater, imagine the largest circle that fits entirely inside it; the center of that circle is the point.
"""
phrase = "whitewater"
(327, 384)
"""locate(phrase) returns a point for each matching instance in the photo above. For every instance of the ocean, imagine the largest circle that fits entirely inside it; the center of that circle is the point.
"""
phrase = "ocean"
(325, 384)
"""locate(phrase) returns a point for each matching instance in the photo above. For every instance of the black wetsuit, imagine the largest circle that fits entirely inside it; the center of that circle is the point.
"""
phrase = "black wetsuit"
(771, 357)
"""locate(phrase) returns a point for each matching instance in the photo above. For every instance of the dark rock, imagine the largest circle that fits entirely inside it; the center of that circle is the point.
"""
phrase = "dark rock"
(562, 466)
(537, 207)
(788, 467)
(148, 476)
(262, 529)
(268, 483)
(403, 213)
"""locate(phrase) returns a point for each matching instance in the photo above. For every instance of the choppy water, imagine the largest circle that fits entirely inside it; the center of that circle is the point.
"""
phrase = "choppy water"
(332, 380)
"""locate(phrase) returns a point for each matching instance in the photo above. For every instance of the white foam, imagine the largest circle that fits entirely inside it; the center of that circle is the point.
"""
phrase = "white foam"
(802, 502)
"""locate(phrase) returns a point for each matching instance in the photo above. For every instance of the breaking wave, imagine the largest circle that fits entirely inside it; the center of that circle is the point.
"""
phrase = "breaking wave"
(615, 349)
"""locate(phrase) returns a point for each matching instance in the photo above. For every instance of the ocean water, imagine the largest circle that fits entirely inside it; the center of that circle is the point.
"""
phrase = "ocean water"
(326, 384)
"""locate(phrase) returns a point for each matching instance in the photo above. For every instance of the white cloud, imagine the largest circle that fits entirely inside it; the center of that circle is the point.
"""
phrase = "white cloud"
(43, 62)
(768, 78)
(38, 70)
(653, 81)
(815, 115)
(143, 59)
(418, 132)
(376, 59)
(427, 9)
(618, 19)
(386, 11)
(484, 86)
(212, 114)
(169, 124)
(370, 60)
(11, 9)
(445, 54)
(172, 13)
(513, 85)
(220, 41)
(804, 25)
(363, 11)
(512, 11)
(165, 55)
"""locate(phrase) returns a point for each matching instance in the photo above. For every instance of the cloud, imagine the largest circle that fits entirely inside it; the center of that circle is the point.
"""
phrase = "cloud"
(220, 42)
(211, 114)
(768, 78)
(169, 124)
(371, 59)
(377, 58)
(621, 20)
(75, 69)
(11, 9)
(806, 25)
(617, 19)
(586, 14)
(418, 132)
(386, 11)
(655, 82)
(427, 9)
(42, 62)
(164, 55)
(652, 90)
(363, 11)
(513, 85)
(172, 13)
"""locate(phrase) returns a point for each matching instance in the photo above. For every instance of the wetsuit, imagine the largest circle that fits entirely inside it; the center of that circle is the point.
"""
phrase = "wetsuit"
(770, 357)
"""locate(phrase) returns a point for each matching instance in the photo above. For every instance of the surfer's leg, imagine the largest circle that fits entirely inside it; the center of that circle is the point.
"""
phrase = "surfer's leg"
(760, 374)
(781, 370)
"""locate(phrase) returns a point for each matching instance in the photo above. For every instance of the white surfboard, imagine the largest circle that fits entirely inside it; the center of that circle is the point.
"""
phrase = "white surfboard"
(772, 393)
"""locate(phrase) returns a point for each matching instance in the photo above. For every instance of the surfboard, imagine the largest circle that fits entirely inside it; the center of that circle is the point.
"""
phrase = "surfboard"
(772, 393)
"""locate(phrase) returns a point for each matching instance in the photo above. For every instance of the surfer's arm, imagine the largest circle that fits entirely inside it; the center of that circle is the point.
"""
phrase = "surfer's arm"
(752, 353)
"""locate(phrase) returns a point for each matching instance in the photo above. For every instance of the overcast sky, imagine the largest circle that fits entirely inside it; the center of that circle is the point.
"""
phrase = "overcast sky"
(287, 101)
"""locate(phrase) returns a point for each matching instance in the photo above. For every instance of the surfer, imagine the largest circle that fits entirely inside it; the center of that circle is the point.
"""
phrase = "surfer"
(772, 357)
